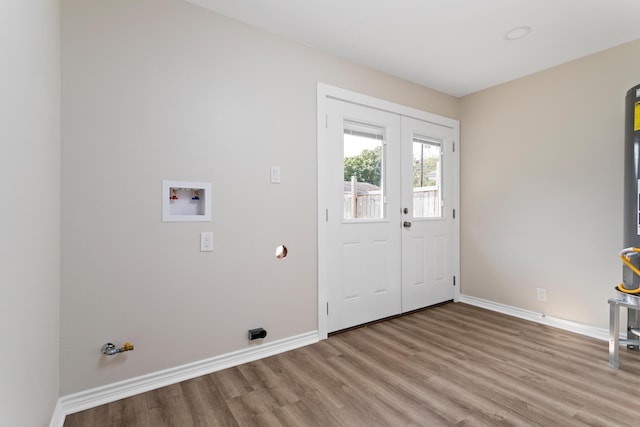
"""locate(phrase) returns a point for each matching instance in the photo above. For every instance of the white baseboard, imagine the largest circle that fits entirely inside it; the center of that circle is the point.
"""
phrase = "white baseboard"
(567, 325)
(57, 419)
(110, 393)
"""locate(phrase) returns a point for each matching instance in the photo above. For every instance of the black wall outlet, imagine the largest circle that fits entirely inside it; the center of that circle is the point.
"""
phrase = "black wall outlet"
(257, 333)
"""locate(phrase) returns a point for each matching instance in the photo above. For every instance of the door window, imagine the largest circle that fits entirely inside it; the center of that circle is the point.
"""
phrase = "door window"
(427, 177)
(364, 164)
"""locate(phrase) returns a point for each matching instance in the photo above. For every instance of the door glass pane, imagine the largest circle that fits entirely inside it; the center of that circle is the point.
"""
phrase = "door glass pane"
(363, 191)
(427, 174)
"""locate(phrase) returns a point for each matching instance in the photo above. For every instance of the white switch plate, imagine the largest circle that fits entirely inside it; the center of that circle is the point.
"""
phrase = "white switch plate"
(275, 174)
(206, 241)
(542, 294)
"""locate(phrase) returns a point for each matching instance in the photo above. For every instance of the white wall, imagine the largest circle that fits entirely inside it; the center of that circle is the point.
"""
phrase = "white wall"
(162, 89)
(541, 187)
(29, 211)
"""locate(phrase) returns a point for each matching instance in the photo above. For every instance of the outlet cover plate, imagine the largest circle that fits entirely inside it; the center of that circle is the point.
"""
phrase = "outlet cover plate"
(542, 294)
(206, 241)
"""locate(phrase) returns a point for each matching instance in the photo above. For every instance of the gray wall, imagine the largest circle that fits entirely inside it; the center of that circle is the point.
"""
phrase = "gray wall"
(541, 187)
(29, 211)
(163, 89)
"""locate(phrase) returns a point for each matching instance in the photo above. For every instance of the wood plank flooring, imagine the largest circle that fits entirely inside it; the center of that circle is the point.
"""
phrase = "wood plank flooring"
(450, 365)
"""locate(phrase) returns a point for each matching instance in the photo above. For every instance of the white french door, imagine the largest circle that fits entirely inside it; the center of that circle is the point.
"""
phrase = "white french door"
(387, 190)
(428, 223)
(364, 245)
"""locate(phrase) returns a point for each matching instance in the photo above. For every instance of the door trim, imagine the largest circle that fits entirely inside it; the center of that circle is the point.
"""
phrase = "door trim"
(325, 91)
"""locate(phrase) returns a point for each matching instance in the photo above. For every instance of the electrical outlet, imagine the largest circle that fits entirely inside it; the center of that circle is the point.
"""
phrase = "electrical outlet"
(206, 241)
(542, 294)
(275, 174)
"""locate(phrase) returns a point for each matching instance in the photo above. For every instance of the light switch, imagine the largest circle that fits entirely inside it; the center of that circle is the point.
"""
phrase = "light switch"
(206, 241)
(275, 174)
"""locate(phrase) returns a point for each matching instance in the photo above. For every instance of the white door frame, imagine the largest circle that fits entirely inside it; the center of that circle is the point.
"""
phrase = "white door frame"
(325, 91)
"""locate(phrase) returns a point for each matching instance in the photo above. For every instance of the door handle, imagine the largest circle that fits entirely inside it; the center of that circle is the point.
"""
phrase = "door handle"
(406, 224)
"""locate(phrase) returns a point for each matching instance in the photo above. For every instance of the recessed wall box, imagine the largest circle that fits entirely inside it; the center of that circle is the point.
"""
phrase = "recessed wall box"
(186, 201)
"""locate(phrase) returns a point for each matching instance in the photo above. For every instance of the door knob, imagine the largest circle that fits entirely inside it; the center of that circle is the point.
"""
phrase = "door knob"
(405, 211)
(406, 224)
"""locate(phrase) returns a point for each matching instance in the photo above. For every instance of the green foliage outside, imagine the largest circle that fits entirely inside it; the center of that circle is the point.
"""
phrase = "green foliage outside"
(366, 166)
(430, 164)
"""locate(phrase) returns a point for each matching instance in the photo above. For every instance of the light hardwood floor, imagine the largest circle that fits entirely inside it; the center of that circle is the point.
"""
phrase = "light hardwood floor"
(453, 364)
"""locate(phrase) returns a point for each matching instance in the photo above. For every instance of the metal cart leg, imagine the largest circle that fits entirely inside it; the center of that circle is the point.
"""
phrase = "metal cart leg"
(632, 323)
(614, 334)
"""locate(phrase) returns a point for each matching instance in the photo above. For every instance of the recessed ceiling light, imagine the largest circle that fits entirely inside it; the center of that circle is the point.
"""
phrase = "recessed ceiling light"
(517, 33)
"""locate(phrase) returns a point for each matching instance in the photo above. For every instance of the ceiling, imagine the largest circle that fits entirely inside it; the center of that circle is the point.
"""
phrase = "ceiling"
(454, 46)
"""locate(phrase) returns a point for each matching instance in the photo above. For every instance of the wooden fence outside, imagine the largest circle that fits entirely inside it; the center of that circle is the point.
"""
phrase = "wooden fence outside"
(426, 204)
